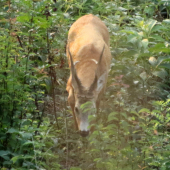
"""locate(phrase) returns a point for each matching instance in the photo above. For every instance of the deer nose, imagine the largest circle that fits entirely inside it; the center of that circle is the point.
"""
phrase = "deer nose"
(84, 133)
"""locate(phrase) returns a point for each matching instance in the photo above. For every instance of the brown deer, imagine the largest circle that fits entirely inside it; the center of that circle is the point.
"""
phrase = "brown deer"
(89, 61)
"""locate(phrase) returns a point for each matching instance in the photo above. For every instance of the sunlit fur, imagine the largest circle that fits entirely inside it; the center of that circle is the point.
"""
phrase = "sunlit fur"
(86, 39)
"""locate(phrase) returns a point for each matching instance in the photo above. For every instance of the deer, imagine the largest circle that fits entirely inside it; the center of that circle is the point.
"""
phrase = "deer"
(89, 57)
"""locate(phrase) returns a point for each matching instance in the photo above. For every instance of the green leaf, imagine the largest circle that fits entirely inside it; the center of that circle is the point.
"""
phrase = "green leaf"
(88, 106)
(26, 135)
(151, 24)
(28, 143)
(124, 124)
(75, 168)
(156, 111)
(165, 65)
(2, 152)
(124, 115)
(12, 130)
(157, 38)
(145, 43)
(157, 28)
(162, 74)
(24, 18)
(144, 110)
(97, 159)
(7, 163)
(91, 117)
(111, 126)
(6, 157)
(164, 59)
(122, 9)
(149, 10)
(134, 112)
(132, 39)
(15, 158)
(48, 84)
(143, 75)
(160, 48)
(112, 116)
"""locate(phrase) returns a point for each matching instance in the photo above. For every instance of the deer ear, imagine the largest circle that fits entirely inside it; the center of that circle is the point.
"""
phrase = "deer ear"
(101, 82)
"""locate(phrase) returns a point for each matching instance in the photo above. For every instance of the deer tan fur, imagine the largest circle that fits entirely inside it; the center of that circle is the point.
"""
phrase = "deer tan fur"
(86, 39)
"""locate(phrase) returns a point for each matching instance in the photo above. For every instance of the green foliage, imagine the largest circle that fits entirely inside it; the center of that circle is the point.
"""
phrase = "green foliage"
(26, 36)
(128, 145)
(131, 131)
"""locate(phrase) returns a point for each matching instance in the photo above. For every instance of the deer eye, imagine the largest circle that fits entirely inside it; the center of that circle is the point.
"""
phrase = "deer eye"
(76, 110)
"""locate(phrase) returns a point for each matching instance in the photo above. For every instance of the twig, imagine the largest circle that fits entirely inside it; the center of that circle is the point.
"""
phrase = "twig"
(66, 132)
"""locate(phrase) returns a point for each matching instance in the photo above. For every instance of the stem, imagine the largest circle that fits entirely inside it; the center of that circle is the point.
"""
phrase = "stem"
(66, 132)
(40, 119)
(118, 137)
(52, 74)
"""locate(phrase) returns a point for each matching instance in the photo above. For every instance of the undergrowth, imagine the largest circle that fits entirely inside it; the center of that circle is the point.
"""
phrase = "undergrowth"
(36, 126)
